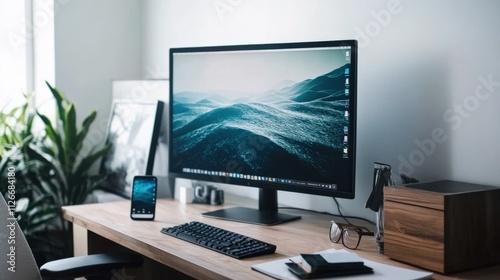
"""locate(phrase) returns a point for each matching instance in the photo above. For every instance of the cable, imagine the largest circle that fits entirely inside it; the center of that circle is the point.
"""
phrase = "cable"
(340, 212)
(328, 213)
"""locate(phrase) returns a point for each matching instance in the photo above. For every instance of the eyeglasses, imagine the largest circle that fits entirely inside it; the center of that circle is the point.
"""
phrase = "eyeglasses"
(350, 234)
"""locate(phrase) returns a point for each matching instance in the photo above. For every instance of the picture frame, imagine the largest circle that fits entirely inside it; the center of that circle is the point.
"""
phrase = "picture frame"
(133, 131)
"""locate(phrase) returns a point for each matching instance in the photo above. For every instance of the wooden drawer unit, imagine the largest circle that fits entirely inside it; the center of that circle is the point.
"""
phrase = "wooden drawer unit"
(443, 226)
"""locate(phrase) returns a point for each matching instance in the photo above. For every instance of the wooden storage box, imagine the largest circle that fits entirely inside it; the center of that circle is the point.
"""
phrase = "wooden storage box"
(443, 226)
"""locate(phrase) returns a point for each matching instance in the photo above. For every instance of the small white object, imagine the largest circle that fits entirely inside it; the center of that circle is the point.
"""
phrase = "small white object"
(186, 194)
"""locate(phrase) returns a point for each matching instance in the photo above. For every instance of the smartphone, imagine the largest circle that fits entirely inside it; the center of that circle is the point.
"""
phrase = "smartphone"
(143, 198)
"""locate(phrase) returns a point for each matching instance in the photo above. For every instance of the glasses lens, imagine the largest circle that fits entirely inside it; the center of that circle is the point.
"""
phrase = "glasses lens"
(335, 232)
(351, 238)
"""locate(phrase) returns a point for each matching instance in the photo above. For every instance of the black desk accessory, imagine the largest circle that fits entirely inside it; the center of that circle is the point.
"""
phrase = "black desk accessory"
(316, 266)
(381, 178)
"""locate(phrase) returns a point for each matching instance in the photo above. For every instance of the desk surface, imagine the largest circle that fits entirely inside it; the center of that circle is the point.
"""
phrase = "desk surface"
(308, 235)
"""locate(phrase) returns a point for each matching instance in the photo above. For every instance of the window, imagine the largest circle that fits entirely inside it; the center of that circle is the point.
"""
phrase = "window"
(13, 74)
(26, 51)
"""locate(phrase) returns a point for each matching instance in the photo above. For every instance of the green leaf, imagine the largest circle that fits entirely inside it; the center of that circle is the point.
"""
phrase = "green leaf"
(70, 132)
(89, 120)
(85, 129)
(54, 135)
(59, 97)
(87, 162)
(54, 184)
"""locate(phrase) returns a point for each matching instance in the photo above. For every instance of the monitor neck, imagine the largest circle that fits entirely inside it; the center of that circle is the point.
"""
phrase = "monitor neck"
(268, 200)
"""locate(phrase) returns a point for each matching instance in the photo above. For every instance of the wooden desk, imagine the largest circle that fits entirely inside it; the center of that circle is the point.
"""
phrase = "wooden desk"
(107, 227)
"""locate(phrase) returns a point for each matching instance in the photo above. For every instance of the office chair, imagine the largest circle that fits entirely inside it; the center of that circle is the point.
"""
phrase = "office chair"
(17, 260)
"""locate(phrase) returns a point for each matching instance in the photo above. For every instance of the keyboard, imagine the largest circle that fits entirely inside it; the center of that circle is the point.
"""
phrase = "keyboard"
(223, 241)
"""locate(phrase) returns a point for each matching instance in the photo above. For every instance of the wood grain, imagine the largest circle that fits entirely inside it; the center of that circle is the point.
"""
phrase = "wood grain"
(414, 234)
(416, 197)
(443, 231)
(111, 229)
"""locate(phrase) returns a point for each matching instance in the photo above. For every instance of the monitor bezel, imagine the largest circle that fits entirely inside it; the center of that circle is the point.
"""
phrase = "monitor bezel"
(274, 186)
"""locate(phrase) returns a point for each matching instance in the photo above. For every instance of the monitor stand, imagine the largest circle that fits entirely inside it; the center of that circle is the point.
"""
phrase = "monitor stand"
(266, 215)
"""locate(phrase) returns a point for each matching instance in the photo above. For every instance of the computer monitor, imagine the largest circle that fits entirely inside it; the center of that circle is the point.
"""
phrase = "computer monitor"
(271, 116)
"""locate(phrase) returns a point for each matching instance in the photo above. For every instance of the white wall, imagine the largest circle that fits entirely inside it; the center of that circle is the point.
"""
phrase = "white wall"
(420, 64)
(96, 42)
(422, 70)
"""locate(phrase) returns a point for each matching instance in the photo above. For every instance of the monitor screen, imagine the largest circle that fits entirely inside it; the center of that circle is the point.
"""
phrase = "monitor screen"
(273, 116)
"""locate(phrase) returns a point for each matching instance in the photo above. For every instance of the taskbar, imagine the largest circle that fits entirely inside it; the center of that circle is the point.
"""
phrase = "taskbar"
(259, 178)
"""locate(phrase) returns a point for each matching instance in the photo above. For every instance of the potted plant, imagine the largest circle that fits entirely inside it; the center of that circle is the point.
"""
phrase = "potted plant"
(52, 169)
(34, 210)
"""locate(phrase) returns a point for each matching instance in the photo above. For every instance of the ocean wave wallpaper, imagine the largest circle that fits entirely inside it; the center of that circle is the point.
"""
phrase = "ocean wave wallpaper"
(271, 114)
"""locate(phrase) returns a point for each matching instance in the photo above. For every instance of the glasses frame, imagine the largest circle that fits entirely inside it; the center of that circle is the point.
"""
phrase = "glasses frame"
(360, 230)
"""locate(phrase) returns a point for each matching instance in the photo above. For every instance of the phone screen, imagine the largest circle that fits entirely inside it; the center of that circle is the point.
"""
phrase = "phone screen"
(143, 198)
